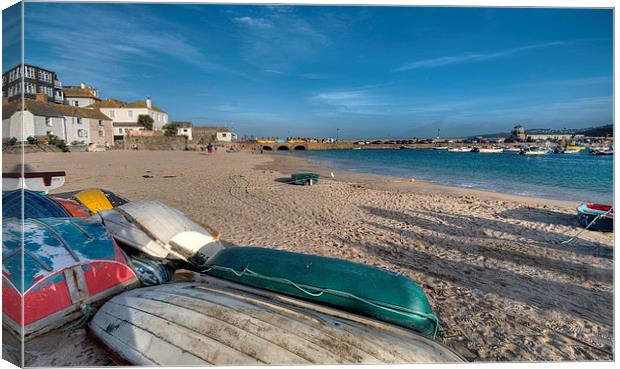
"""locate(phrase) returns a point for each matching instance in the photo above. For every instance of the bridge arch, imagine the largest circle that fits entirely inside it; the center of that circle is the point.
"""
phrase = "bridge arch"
(266, 148)
(283, 148)
(299, 148)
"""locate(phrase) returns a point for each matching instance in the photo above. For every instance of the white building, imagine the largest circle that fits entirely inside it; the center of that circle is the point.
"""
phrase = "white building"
(125, 115)
(225, 135)
(184, 129)
(41, 118)
(81, 95)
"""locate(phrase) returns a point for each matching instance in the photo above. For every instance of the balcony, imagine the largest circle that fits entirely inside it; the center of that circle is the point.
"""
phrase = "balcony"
(57, 84)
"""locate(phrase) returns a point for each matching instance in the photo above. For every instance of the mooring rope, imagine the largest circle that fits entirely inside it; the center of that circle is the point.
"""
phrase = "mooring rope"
(588, 226)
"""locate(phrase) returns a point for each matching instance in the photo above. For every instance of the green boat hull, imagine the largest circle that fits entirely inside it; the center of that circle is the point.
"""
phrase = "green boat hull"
(349, 286)
(304, 178)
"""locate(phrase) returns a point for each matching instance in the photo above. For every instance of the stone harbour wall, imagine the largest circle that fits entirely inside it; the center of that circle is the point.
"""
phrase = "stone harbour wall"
(155, 143)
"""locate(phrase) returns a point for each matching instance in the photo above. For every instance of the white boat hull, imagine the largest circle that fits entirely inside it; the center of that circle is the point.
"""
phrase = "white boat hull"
(216, 322)
(161, 232)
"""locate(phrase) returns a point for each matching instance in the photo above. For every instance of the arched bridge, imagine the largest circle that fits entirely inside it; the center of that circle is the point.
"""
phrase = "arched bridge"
(284, 146)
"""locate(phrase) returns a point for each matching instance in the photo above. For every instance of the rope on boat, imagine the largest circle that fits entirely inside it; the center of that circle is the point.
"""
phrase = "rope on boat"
(321, 291)
(87, 311)
(588, 226)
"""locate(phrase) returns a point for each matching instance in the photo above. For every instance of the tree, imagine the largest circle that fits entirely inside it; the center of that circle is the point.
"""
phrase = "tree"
(146, 121)
(170, 129)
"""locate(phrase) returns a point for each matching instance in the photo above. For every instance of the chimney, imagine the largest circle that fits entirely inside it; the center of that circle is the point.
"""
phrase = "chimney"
(148, 103)
(40, 96)
(82, 85)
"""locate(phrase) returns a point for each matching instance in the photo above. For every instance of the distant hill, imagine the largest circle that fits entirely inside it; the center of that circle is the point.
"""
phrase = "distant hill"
(606, 130)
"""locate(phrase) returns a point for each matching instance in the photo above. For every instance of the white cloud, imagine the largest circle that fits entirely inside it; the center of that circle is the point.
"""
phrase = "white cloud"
(473, 57)
(104, 55)
(253, 22)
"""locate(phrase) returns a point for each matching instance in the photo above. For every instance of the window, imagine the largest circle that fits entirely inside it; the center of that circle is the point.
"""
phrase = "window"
(29, 72)
(76, 103)
(101, 133)
(30, 88)
(79, 120)
(82, 133)
(223, 134)
(111, 114)
(100, 122)
(130, 113)
(48, 121)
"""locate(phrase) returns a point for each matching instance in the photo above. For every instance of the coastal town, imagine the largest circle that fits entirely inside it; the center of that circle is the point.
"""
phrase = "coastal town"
(77, 118)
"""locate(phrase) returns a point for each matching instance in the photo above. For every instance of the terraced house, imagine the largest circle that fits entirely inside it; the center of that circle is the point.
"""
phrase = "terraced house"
(125, 115)
(75, 125)
(81, 95)
(36, 80)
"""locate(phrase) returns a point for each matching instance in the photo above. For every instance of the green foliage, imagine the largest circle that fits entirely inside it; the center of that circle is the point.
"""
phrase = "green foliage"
(146, 121)
(54, 140)
(12, 140)
(170, 129)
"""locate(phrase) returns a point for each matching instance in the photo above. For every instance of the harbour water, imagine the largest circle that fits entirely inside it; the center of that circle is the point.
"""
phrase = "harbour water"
(572, 177)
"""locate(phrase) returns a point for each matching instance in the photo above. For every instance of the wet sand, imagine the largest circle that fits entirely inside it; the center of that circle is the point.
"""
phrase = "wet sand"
(492, 265)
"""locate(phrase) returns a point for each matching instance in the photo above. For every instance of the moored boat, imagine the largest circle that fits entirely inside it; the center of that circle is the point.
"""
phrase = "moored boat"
(576, 147)
(460, 149)
(602, 151)
(598, 217)
(512, 149)
(490, 150)
(533, 150)
(571, 151)
(440, 148)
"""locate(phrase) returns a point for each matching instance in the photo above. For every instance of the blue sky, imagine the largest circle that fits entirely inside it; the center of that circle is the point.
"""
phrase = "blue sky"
(305, 71)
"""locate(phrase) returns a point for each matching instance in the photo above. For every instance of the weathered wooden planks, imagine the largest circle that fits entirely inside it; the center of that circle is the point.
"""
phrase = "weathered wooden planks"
(223, 323)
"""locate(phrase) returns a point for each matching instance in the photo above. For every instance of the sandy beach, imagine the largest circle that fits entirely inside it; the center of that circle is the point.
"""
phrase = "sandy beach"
(492, 265)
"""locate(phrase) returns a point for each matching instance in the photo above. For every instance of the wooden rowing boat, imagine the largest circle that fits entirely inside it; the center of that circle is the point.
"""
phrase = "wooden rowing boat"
(217, 322)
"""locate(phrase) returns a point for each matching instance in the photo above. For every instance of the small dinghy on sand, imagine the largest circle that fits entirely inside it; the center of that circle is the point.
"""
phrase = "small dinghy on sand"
(161, 232)
(217, 322)
(68, 264)
(597, 217)
(358, 288)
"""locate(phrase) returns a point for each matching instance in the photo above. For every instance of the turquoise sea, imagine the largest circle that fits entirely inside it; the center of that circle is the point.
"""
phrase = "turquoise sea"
(573, 177)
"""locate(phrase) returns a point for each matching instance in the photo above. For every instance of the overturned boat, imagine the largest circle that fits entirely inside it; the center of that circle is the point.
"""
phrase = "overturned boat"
(69, 264)
(213, 321)
(35, 205)
(305, 178)
(161, 232)
(355, 287)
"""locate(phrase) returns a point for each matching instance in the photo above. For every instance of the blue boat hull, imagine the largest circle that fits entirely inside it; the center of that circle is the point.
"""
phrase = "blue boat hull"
(603, 224)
